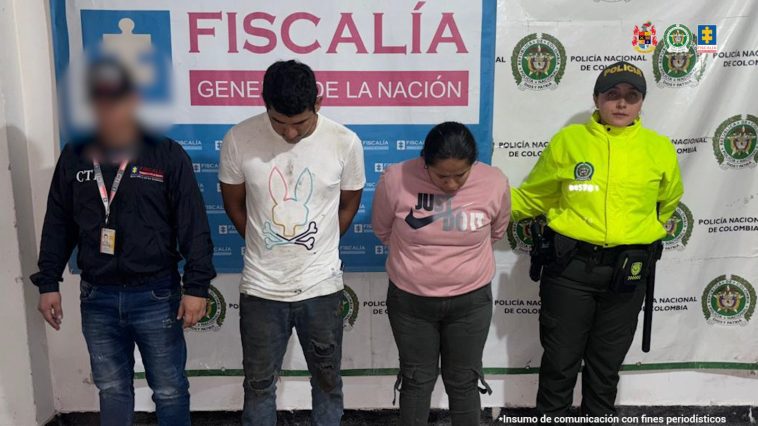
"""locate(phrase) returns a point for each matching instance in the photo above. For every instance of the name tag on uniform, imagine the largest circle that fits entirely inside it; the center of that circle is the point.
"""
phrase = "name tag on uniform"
(107, 241)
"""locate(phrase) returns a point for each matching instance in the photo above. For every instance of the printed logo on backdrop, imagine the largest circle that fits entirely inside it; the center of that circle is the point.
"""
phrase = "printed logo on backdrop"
(520, 233)
(141, 40)
(538, 62)
(728, 300)
(214, 318)
(678, 228)
(645, 38)
(349, 308)
(707, 41)
(678, 38)
(191, 145)
(735, 142)
(678, 65)
(409, 145)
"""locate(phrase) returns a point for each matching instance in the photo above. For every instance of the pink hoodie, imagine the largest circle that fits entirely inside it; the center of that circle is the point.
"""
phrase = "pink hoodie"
(440, 245)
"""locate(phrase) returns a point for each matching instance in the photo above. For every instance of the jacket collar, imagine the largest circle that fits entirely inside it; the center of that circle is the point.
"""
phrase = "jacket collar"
(594, 125)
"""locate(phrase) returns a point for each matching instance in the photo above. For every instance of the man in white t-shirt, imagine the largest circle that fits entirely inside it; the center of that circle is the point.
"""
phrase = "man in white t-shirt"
(291, 180)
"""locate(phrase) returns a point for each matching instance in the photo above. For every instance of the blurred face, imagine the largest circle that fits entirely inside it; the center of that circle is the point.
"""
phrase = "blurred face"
(112, 115)
(296, 128)
(449, 174)
(620, 105)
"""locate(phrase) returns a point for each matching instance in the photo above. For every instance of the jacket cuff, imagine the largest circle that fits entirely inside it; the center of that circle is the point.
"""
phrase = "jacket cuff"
(196, 290)
(48, 288)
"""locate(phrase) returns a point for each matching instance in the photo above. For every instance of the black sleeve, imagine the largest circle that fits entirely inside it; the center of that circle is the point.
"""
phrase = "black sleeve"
(191, 224)
(59, 231)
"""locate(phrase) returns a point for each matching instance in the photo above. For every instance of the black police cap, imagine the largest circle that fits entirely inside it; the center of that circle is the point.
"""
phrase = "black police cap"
(620, 72)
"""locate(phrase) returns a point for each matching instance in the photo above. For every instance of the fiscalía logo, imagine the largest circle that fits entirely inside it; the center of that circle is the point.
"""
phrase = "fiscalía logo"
(645, 37)
(214, 318)
(678, 228)
(349, 308)
(141, 40)
(538, 62)
(678, 68)
(728, 300)
(677, 38)
(583, 171)
(520, 233)
(734, 142)
(707, 41)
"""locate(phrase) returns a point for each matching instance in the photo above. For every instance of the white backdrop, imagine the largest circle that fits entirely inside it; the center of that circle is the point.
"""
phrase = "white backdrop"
(719, 238)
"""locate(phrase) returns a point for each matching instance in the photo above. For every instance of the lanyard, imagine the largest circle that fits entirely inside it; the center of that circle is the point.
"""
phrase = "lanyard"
(107, 201)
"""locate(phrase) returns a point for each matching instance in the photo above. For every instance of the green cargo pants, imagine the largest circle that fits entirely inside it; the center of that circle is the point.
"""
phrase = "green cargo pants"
(581, 320)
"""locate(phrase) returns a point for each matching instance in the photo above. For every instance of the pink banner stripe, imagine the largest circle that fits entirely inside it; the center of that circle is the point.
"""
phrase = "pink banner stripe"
(339, 88)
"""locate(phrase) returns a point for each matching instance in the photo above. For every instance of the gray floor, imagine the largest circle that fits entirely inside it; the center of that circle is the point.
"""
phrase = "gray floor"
(734, 416)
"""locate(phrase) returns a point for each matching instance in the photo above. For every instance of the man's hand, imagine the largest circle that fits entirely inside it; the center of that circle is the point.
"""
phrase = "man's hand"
(191, 309)
(50, 308)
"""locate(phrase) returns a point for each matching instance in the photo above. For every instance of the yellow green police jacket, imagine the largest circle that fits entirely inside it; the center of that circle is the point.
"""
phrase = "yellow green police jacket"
(602, 184)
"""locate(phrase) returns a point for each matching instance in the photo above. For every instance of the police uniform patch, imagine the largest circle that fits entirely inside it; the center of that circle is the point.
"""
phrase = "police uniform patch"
(584, 171)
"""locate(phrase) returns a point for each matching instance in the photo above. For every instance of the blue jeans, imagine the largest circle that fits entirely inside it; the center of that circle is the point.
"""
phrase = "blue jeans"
(113, 321)
(266, 326)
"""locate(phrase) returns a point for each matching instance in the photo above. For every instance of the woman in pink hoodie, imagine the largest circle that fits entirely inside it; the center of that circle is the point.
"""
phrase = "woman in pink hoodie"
(439, 214)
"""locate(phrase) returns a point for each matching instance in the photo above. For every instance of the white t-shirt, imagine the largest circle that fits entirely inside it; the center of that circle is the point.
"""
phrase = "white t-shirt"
(292, 198)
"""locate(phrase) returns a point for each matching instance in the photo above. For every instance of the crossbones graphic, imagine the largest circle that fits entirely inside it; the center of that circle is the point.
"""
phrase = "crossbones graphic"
(304, 239)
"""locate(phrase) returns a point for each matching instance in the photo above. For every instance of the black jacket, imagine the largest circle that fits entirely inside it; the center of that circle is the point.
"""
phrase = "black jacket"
(158, 205)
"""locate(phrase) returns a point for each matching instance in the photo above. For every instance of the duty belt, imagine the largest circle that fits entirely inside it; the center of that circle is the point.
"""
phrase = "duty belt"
(604, 256)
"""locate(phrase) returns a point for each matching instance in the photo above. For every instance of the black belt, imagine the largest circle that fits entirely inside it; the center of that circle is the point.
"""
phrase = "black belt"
(601, 255)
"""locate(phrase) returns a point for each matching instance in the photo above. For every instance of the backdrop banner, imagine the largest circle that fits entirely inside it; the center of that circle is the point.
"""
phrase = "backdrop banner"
(390, 70)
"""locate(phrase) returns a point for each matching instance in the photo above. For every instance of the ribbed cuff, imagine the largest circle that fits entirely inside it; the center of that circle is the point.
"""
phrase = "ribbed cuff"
(49, 288)
(196, 290)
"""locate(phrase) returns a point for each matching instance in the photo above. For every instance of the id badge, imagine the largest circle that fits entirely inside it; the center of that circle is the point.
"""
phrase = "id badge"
(107, 241)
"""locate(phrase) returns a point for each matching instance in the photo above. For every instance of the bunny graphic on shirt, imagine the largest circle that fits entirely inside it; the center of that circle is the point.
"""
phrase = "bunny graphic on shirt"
(290, 215)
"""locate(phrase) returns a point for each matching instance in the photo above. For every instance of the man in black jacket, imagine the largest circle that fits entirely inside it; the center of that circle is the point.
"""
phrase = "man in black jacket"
(130, 202)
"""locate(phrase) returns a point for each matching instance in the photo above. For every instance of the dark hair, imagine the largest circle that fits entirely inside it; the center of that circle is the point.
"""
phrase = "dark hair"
(289, 87)
(449, 140)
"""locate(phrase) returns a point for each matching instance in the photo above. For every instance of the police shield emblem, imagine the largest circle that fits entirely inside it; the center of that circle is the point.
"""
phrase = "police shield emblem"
(636, 269)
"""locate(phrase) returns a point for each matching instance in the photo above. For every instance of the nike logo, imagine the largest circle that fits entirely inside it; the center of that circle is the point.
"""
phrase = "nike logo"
(420, 222)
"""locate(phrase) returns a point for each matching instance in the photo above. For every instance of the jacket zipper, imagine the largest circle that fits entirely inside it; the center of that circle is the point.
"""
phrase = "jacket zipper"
(607, 186)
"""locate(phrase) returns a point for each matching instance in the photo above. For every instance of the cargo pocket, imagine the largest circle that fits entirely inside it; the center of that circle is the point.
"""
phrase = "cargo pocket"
(415, 379)
(485, 386)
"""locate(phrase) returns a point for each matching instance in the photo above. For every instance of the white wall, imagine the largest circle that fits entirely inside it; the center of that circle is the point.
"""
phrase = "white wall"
(26, 393)
(27, 382)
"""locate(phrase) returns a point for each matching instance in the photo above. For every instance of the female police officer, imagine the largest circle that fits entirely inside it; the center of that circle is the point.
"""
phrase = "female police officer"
(606, 188)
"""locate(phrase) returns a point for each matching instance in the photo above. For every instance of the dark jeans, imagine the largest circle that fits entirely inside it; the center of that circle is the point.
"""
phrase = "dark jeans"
(581, 320)
(113, 321)
(266, 326)
(429, 328)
